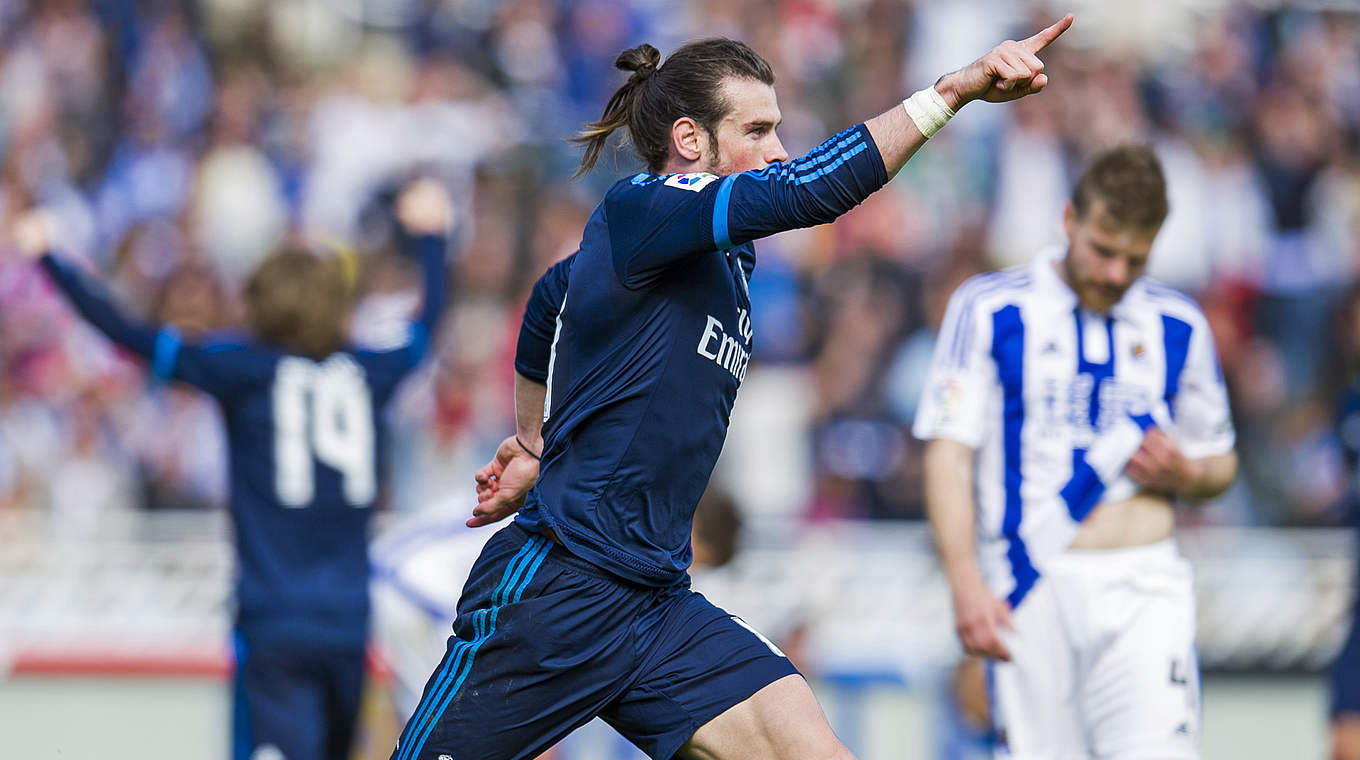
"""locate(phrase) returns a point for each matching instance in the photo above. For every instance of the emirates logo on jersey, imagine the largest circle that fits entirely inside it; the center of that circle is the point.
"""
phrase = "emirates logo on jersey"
(724, 349)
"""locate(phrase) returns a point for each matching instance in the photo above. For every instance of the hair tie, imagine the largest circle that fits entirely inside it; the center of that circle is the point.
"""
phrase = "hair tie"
(644, 72)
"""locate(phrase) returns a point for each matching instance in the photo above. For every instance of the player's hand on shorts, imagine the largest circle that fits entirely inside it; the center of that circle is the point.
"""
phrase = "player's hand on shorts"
(1010, 71)
(980, 618)
(502, 483)
(425, 208)
(1159, 465)
(32, 233)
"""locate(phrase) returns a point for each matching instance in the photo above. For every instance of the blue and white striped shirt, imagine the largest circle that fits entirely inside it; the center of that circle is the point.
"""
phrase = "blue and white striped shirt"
(1054, 400)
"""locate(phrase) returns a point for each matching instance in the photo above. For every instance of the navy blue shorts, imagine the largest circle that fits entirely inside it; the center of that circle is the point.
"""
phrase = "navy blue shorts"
(302, 701)
(544, 642)
(1346, 673)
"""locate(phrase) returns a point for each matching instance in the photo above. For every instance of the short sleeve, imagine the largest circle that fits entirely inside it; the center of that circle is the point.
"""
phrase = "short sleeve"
(1202, 415)
(953, 403)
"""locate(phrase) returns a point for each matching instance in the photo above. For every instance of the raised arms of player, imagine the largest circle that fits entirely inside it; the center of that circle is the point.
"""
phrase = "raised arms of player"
(217, 368)
(426, 213)
(503, 482)
(1010, 71)
(655, 222)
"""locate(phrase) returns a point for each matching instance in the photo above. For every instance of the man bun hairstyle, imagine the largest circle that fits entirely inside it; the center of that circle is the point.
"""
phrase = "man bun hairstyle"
(1129, 182)
(688, 84)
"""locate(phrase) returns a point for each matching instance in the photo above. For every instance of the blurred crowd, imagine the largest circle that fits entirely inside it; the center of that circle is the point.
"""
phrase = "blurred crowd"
(179, 142)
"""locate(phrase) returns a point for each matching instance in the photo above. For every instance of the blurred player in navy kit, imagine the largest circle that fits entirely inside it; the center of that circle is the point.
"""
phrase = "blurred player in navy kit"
(1345, 705)
(302, 415)
(630, 355)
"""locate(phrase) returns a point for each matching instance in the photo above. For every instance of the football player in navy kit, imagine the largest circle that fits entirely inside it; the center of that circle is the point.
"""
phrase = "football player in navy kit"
(302, 412)
(630, 355)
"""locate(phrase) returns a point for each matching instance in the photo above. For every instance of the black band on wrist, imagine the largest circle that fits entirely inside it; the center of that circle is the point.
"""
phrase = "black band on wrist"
(527, 450)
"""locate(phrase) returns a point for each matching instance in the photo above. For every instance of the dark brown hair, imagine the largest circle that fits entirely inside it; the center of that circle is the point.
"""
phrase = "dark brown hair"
(299, 301)
(687, 84)
(1128, 180)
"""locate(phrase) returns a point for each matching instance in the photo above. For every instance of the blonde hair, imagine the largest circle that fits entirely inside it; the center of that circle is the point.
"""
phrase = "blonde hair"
(299, 301)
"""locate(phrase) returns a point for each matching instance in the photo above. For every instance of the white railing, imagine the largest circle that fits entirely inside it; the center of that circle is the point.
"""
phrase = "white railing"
(858, 600)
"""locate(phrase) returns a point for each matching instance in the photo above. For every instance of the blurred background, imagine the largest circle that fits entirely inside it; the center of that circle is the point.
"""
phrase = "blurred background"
(179, 142)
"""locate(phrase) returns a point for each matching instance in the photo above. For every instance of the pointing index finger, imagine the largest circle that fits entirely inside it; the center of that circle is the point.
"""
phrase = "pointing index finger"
(1044, 37)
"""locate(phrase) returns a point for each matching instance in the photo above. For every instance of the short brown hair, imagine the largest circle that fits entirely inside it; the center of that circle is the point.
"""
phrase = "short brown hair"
(1128, 181)
(689, 84)
(298, 301)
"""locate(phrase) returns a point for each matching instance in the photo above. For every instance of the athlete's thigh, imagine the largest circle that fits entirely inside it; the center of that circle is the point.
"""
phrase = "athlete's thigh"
(782, 720)
(280, 707)
(538, 649)
(1034, 715)
(1142, 694)
(697, 666)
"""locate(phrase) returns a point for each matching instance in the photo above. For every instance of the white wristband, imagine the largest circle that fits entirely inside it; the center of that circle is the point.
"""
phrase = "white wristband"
(928, 110)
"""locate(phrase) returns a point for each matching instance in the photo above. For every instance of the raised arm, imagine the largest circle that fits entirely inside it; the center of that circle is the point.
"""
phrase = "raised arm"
(95, 307)
(1010, 71)
(217, 368)
(686, 214)
(426, 212)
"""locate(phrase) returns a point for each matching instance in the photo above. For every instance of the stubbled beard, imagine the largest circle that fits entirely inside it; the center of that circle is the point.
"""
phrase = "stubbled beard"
(715, 159)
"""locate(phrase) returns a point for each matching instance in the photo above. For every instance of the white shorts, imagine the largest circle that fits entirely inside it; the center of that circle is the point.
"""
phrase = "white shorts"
(1103, 661)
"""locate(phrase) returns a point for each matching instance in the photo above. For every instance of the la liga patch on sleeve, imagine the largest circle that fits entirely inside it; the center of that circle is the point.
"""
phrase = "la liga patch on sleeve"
(694, 181)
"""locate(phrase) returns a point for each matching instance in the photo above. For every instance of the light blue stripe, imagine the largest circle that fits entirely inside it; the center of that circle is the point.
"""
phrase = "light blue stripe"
(785, 171)
(455, 655)
(827, 150)
(420, 340)
(542, 546)
(721, 237)
(831, 167)
(165, 353)
(242, 733)
(812, 160)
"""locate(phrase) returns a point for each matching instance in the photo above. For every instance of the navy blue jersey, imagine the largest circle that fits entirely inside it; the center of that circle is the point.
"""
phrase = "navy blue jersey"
(533, 352)
(651, 338)
(304, 444)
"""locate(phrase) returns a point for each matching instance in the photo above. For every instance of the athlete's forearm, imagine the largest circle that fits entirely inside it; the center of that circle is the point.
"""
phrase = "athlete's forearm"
(897, 138)
(950, 505)
(1212, 476)
(433, 252)
(98, 310)
(529, 398)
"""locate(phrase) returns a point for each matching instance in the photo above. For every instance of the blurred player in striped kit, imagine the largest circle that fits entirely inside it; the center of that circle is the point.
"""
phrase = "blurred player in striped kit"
(1071, 402)
(302, 411)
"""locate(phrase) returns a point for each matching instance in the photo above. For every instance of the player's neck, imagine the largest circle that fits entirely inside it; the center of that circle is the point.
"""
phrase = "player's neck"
(679, 165)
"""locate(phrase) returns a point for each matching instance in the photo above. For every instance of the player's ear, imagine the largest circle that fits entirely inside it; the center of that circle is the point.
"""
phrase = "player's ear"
(1070, 220)
(687, 139)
